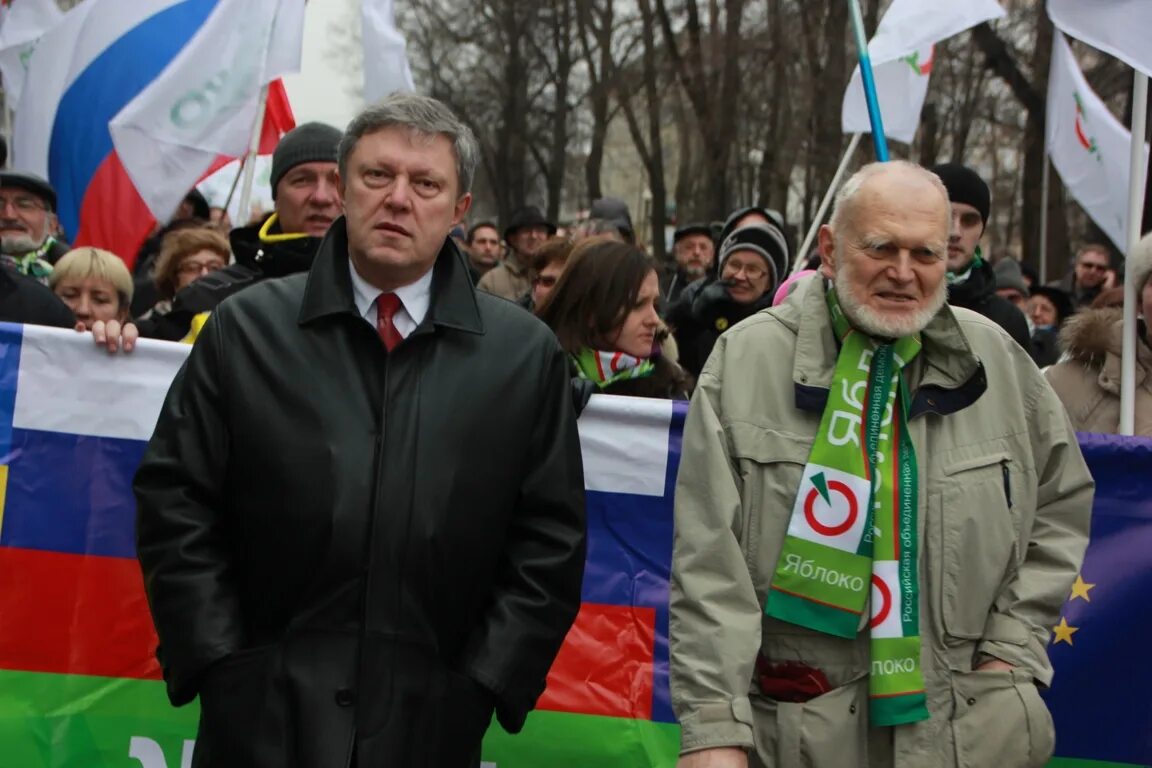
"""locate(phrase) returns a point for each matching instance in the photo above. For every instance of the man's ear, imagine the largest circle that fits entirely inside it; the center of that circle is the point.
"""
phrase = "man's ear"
(463, 205)
(827, 246)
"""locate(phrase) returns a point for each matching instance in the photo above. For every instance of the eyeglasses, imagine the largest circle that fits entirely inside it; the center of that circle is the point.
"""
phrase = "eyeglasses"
(22, 204)
(751, 271)
(199, 267)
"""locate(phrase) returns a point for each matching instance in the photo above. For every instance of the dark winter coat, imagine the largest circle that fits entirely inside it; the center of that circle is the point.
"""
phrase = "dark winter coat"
(703, 312)
(25, 300)
(256, 261)
(346, 548)
(978, 293)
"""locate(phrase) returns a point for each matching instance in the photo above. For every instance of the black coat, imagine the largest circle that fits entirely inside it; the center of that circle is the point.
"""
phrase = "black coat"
(346, 547)
(703, 311)
(24, 300)
(256, 261)
(978, 293)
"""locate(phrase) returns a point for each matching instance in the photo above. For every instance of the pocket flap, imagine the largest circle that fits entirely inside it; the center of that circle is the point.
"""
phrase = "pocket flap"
(767, 446)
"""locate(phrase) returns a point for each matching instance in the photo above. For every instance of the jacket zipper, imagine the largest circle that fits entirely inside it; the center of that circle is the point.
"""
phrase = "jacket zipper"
(1007, 473)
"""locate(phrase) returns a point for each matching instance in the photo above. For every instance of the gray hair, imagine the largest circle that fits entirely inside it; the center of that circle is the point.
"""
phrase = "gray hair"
(423, 115)
(846, 197)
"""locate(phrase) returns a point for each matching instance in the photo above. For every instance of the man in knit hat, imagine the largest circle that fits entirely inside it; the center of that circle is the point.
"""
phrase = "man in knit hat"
(303, 183)
(753, 260)
(971, 281)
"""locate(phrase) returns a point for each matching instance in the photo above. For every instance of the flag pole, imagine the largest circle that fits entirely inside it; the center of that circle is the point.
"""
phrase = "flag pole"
(1135, 212)
(1045, 180)
(249, 169)
(802, 254)
(879, 140)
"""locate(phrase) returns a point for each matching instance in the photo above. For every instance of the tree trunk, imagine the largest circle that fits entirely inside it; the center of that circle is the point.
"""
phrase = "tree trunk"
(558, 154)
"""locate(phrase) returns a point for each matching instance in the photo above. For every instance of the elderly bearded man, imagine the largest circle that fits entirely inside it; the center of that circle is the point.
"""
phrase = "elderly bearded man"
(880, 510)
(361, 516)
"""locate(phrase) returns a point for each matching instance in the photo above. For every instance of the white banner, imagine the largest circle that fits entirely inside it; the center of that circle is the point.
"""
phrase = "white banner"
(1089, 147)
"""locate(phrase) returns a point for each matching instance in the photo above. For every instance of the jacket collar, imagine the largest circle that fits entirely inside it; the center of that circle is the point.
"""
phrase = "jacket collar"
(329, 287)
(953, 377)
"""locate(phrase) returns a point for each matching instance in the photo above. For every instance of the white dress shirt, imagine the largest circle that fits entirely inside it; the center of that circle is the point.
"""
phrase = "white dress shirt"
(414, 299)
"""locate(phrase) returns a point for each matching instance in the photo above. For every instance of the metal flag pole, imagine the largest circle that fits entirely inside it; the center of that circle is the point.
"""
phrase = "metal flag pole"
(802, 254)
(249, 170)
(879, 140)
(1135, 211)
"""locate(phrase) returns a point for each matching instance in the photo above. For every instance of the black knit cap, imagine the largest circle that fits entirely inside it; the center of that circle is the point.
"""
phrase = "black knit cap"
(964, 185)
(307, 143)
(30, 182)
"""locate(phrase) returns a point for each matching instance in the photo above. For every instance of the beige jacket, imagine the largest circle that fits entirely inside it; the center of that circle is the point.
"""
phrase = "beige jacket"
(507, 279)
(1088, 383)
(1005, 499)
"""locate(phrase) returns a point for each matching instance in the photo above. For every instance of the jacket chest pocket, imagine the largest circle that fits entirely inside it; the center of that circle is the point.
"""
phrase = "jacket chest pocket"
(974, 529)
(771, 464)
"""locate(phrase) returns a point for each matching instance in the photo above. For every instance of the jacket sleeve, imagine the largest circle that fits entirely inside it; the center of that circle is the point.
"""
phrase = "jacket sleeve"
(1017, 631)
(537, 591)
(715, 614)
(180, 521)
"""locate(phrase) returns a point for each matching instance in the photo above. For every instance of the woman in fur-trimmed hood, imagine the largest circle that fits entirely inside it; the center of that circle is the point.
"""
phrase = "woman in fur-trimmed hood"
(1088, 381)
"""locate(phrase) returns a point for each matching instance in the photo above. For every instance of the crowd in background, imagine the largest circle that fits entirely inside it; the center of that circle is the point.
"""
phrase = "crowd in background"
(630, 326)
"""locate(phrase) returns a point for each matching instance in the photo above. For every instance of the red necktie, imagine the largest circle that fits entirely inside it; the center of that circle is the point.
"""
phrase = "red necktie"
(387, 304)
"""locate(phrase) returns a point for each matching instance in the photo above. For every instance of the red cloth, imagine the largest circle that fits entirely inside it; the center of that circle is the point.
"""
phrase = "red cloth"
(387, 305)
(790, 681)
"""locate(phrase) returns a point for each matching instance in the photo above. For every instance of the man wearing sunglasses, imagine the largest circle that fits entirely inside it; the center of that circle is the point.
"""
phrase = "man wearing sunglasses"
(1089, 276)
(27, 219)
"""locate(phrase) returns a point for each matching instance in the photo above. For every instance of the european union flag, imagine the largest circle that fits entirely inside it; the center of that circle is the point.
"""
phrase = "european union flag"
(1101, 698)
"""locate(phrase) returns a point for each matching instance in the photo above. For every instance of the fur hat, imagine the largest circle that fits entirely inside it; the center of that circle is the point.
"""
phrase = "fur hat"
(964, 185)
(765, 240)
(307, 143)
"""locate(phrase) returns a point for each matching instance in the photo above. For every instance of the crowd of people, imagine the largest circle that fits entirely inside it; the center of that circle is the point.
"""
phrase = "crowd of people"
(720, 274)
(363, 331)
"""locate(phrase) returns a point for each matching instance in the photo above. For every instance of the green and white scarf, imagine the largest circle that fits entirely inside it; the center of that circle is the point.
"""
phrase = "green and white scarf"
(853, 528)
(606, 368)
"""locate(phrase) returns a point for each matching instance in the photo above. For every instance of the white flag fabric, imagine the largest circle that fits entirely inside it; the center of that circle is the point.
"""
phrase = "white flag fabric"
(1089, 147)
(901, 86)
(1118, 27)
(204, 103)
(902, 55)
(386, 68)
(22, 24)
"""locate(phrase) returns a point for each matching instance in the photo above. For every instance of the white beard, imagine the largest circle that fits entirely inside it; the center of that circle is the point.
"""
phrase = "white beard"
(18, 245)
(879, 324)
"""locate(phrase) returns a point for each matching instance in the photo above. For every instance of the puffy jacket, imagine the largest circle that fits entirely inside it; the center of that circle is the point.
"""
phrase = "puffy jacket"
(1088, 382)
(1004, 507)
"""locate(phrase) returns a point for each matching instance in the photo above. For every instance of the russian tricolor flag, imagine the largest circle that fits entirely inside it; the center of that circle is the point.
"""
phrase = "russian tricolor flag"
(106, 56)
(78, 678)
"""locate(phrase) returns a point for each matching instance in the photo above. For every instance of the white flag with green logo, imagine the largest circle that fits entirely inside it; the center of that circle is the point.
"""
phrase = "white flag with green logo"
(204, 103)
(22, 24)
(1089, 147)
(902, 56)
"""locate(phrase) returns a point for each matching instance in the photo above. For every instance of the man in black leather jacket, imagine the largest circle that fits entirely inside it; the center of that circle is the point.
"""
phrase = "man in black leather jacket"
(304, 190)
(361, 516)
